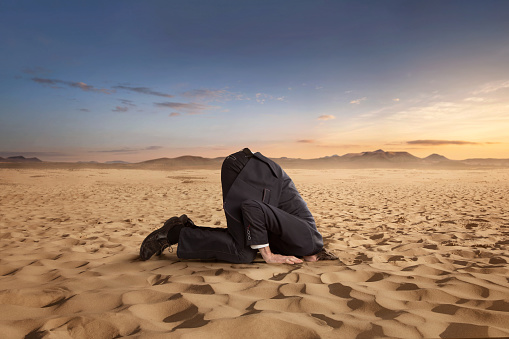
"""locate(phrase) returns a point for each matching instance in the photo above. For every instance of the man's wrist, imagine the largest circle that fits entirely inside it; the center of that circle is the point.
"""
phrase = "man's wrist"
(257, 247)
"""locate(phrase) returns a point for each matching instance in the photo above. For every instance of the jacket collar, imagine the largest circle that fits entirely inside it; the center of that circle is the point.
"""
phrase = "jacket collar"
(273, 166)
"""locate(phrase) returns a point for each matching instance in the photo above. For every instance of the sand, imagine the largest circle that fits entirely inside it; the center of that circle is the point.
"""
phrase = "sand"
(422, 254)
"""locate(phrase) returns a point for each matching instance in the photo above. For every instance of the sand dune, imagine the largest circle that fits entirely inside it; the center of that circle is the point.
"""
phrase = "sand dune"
(422, 254)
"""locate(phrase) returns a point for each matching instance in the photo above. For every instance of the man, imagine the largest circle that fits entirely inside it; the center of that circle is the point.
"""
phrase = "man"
(264, 212)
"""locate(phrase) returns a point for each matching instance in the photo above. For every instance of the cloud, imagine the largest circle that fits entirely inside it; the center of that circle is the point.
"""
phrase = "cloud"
(46, 81)
(475, 99)
(81, 85)
(441, 142)
(174, 114)
(492, 87)
(450, 116)
(189, 108)
(396, 99)
(204, 93)
(84, 110)
(152, 148)
(180, 105)
(263, 97)
(144, 90)
(306, 141)
(326, 117)
(220, 95)
(127, 102)
(120, 109)
(122, 150)
(358, 101)
(129, 150)
(76, 84)
(433, 112)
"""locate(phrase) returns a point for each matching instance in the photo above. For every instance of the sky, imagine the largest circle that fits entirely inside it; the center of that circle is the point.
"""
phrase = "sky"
(139, 80)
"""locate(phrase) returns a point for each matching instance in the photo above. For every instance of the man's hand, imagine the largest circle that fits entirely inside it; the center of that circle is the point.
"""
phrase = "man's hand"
(272, 258)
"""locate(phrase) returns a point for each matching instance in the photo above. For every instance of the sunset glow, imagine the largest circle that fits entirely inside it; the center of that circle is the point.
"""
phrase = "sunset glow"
(133, 81)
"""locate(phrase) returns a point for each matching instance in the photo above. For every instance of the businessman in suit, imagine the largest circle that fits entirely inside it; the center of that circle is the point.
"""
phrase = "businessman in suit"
(264, 212)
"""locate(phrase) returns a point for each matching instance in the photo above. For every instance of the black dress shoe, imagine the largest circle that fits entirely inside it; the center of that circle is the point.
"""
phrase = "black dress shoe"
(168, 235)
(325, 255)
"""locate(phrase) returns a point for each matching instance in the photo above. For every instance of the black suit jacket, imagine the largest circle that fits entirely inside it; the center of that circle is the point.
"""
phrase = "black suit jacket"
(264, 180)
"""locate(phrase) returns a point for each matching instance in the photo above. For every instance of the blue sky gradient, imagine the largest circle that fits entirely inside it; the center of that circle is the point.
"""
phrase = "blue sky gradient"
(137, 80)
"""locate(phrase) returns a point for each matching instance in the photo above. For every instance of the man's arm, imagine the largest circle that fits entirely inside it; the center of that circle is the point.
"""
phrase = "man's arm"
(272, 258)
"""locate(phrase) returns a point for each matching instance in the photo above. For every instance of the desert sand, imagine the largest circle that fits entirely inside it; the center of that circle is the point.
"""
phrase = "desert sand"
(422, 253)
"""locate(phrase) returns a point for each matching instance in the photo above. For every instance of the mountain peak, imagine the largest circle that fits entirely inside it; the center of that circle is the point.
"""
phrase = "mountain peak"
(435, 157)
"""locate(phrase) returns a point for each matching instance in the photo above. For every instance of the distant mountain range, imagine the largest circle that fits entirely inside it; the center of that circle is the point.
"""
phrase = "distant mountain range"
(186, 161)
(375, 159)
(19, 158)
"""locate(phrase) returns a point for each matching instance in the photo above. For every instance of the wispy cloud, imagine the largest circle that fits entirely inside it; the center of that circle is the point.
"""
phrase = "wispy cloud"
(120, 109)
(441, 142)
(152, 148)
(125, 107)
(492, 87)
(84, 110)
(144, 90)
(433, 112)
(180, 105)
(326, 117)
(306, 141)
(207, 95)
(174, 114)
(358, 101)
(204, 94)
(263, 97)
(444, 119)
(75, 84)
(189, 108)
(475, 99)
(127, 102)
(129, 150)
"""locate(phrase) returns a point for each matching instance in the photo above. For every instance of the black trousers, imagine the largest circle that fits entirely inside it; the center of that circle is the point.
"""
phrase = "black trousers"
(254, 219)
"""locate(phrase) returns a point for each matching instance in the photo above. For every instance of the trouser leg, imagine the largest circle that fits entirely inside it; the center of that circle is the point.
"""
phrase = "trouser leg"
(212, 243)
(286, 233)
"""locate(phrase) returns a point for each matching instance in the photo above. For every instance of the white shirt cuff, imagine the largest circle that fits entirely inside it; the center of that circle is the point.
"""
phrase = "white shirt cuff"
(255, 247)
